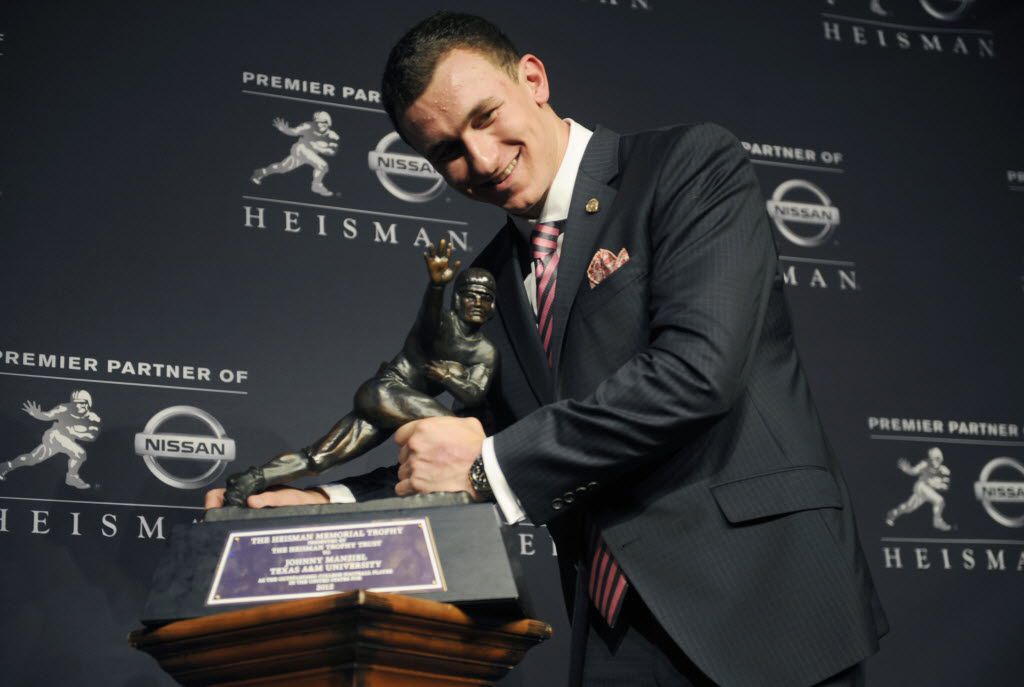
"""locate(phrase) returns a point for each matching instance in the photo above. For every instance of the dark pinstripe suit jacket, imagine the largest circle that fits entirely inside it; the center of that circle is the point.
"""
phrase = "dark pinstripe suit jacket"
(678, 395)
(678, 415)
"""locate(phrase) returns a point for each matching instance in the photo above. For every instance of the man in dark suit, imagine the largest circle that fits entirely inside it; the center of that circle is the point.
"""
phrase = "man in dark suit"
(650, 407)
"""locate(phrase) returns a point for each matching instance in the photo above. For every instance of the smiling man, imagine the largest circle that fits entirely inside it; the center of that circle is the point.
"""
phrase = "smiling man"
(649, 405)
(491, 138)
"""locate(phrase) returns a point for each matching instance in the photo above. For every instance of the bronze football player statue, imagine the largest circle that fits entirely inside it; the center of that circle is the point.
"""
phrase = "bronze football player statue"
(445, 351)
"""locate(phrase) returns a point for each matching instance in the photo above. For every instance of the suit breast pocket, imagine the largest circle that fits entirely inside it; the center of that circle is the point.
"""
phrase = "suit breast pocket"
(609, 324)
(594, 299)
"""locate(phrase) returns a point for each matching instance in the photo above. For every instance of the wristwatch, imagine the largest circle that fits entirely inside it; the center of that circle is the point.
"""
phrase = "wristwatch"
(478, 478)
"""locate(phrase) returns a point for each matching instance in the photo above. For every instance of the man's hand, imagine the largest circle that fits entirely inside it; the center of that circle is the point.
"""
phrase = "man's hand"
(437, 453)
(438, 262)
(275, 496)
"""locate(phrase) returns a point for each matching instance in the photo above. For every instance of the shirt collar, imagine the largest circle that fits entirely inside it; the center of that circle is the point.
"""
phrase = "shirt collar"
(556, 205)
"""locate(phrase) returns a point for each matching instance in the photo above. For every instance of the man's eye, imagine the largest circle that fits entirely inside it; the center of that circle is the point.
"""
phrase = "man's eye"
(487, 117)
(446, 154)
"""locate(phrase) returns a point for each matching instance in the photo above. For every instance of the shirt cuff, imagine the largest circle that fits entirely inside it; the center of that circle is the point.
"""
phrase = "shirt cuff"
(510, 506)
(337, 493)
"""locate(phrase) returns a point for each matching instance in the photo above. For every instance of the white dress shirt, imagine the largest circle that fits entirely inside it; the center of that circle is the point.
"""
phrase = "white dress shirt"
(556, 209)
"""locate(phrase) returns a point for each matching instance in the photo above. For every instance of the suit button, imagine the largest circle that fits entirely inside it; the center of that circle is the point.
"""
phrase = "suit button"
(557, 503)
(581, 490)
(592, 485)
(568, 497)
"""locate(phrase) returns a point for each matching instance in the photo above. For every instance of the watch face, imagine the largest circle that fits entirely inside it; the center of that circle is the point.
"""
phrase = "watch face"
(478, 477)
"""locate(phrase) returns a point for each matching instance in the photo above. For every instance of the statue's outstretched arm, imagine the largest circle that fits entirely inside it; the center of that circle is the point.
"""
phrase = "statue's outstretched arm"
(441, 270)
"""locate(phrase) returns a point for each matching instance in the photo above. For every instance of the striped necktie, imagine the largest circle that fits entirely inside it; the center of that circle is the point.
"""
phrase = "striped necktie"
(606, 583)
(544, 241)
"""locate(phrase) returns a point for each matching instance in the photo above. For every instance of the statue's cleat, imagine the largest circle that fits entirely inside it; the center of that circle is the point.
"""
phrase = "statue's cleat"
(76, 482)
(890, 518)
(257, 177)
(242, 485)
(231, 499)
(322, 190)
(942, 525)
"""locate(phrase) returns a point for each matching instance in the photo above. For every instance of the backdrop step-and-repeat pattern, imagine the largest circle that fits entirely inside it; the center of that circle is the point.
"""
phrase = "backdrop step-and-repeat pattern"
(176, 261)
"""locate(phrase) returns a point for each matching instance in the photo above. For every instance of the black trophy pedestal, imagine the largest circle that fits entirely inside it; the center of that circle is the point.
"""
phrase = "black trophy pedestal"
(441, 547)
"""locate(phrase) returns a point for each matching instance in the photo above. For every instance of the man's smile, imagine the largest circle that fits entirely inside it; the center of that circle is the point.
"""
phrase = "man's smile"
(505, 173)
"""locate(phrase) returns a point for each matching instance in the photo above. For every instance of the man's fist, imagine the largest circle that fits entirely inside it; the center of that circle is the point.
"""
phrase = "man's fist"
(437, 453)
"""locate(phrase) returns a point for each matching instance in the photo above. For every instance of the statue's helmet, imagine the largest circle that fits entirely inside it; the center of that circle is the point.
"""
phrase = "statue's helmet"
(935, 453)
(321, 116)
(475, 278)
(81, 396)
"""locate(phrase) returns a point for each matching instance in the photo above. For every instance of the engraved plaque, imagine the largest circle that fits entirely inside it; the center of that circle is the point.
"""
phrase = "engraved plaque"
(397, 555)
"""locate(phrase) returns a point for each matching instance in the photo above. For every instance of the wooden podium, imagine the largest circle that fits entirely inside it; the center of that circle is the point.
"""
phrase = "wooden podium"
(357, 638)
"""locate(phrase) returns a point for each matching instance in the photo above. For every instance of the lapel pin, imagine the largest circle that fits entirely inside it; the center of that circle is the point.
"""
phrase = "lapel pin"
(593, 205)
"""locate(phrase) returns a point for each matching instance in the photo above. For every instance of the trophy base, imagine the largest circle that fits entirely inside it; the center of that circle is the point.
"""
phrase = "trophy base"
(441, 547)
(396, 503)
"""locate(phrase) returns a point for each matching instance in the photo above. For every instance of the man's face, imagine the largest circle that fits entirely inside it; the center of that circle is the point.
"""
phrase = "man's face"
(491, 137)
(475, 304)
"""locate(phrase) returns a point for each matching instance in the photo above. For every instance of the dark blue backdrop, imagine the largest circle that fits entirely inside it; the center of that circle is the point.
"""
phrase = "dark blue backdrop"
(133, 234)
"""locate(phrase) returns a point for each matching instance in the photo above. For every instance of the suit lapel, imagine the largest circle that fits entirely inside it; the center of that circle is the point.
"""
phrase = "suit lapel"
(582, 228)
(520, 325)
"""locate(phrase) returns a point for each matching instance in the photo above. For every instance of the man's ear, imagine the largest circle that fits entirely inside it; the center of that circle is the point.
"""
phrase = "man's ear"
(534, 77)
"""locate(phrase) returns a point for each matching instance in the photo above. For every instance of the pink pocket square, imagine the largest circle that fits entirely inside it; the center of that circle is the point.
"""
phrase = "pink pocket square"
(603, 265)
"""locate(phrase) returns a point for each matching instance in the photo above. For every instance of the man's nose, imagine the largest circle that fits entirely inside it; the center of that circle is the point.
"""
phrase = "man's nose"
(482, 154)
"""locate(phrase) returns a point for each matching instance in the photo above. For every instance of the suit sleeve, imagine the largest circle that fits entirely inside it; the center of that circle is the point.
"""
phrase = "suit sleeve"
(711, 269)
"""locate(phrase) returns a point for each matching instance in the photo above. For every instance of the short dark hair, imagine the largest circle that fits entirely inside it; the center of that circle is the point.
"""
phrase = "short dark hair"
(412, 61)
